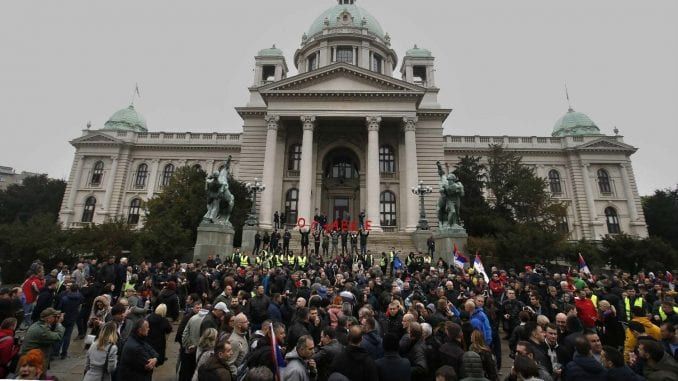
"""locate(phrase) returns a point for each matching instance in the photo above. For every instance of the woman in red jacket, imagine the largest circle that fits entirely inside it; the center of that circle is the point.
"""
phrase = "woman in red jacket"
(586, 311)
(8, 347)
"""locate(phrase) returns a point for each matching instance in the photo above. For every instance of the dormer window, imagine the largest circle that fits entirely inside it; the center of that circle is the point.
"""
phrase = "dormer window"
(312, 62)
(344, 54)
(268, 73)
(419, 75)
(377, 63)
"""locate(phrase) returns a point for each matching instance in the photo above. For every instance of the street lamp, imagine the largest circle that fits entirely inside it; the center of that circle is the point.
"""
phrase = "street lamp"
(252, 189)
(422, 190)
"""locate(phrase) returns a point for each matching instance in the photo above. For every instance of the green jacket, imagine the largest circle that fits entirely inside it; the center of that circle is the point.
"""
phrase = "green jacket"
(41, 336)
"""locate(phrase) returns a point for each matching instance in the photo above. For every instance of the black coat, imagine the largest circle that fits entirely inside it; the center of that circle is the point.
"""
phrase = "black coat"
(297, 330)
(392, 367)
(259, 308)
(584, 368)
(325, 356)
(356, 364)
(69, 304)
(372, 344)
(160, 327)
(44, 300)
(135, 355)
(451, 354)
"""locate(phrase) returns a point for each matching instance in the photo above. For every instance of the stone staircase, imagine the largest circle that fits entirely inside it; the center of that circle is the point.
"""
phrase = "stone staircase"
(376, 242)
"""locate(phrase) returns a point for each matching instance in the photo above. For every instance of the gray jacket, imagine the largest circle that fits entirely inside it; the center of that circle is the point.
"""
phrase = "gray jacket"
(95, 360)
(296, 369)
(191, 335)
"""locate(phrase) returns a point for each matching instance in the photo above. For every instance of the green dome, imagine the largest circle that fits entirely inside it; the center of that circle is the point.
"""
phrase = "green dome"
(270, 52)
(358, 14)
(575, 123)
(418, 52)
(127, 119)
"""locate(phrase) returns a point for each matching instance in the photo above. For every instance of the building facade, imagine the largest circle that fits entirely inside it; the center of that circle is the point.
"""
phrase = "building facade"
(8, 176)
(344, 135)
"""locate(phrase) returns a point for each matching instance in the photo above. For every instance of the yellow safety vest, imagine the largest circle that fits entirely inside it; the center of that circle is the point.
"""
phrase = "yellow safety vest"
(278, 260)
(301, 261)
(244, 261)
(594, 299)
(427, 259)
(290, 259)
(662, 314)
(627, 304)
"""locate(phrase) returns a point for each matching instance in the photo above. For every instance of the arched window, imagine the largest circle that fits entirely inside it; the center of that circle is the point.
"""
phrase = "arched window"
(563, 225)
(386, 159)
(142, 175)
(167, 174)
(291, 204)
(554, 182)
(604, 181)
(97, 173)
(387, 208)
(612, 220)
(134, 208)
(88, 211)
(342, 168)
(294, 159)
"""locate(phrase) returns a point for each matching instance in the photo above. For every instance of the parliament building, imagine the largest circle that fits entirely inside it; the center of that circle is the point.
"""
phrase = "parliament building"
(354, 129)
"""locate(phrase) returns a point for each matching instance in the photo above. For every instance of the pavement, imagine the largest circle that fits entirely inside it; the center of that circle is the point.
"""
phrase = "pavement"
(72, 368)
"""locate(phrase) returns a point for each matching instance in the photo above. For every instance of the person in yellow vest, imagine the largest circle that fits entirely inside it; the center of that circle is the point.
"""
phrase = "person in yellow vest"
(290, 259)
(427, 260)
(278, 260)
(632, 300)
(668, 312)
(244, 260)
(368, 261)
(302, 260)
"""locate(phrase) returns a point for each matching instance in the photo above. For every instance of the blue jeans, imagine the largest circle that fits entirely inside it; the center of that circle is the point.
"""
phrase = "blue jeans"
(66, 341)
(28, 311)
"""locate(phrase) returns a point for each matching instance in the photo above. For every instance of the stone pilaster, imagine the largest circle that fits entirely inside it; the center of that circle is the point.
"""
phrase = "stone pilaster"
(110, 186)
(73, 192)
(266, 209)
(411, 175)
(306, 168)
(373, 179)
(630, 199)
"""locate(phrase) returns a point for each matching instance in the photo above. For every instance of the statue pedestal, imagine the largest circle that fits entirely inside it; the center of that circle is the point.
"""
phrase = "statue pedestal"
(445, 240)
(419, 238)
(247, 242)
(213, 239)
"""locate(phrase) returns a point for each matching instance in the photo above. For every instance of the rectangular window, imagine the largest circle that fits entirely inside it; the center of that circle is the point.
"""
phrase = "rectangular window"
(419, 73)
(344, 54)
(313, 62)
(377, 62)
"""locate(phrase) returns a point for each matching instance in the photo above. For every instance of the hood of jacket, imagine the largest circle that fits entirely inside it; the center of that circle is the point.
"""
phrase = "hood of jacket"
(104, 299)
(373, 338)
(588, 363)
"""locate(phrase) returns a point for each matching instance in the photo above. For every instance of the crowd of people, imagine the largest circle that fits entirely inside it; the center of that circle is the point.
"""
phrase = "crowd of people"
(347, 315)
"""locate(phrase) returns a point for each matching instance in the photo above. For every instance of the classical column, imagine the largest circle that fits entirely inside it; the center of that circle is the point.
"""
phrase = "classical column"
(306, 169)
(411, 173)
(373, 183)
(266, 210)
(109, 186)
(75, 185)
(589, 192)
(630, 199)
(153, 179)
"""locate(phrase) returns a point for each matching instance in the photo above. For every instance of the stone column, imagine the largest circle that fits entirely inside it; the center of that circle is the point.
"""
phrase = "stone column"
(411, 172)
(266, 209)
(630, 199)
(110, 186)
(373, 183)
(153, 179)
(75, 185)
(589, 193)
(306, 169)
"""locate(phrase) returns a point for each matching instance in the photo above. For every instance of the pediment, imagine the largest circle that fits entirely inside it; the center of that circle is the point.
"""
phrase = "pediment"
(341, 78)
(96, 138)
(606, 144)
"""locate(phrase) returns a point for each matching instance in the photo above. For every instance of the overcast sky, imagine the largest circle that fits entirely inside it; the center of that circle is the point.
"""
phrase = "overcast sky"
(501, 66)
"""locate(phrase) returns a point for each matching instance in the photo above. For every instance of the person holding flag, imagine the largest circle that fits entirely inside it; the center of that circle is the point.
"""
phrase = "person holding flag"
(583, 268)
(479, 268)
(459, 259)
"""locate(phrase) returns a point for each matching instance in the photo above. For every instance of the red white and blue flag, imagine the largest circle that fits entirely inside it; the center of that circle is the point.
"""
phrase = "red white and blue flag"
(277, 355)
(582, 266)
(478, 266)
(459, 259)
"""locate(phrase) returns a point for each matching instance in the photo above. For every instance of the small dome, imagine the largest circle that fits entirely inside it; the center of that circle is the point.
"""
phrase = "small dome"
(127, 119)
(361, 18)
(418, 52)
(575, 123)
(270, 52)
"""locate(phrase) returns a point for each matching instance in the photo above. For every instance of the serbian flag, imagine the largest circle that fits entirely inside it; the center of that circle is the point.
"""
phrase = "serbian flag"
(582, 265)
(277, 355)
(459, 259)
(478, 266)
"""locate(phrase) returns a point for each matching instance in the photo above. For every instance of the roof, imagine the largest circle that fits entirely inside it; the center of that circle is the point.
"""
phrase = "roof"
(418, 52)
(575, 123)
(270, 52)
(360, 18)
(127, 119)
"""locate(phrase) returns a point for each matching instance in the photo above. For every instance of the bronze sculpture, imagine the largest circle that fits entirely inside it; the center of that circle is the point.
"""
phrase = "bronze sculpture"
(220, 200)
(449, 203)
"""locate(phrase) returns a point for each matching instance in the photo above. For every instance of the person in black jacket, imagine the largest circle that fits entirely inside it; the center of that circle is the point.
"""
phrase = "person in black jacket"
(69, 305)
(159, 328)
(583, 365)
(138, 358)
(45, 299)
(354, 362)
(393, 367)
(258, 308)
(330, 348)
(371, 340)
(617, 370)
(301, 325)
(452, 351)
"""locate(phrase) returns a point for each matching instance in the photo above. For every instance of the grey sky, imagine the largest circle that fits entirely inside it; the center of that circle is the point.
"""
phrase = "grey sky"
(501, 66)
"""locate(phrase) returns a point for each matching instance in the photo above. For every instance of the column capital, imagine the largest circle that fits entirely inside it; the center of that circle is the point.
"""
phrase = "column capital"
(410, 123)
(308, 122)
(272, 121)
(115, 157)
(623, 165)
(373, 123)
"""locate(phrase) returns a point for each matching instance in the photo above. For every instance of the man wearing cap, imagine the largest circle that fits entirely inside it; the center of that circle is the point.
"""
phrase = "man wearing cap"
(44, 333)
(215, 318)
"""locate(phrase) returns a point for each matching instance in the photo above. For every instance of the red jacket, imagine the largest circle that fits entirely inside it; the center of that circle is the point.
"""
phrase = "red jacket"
(497, 287)
(7, 350)
(586, 312)
(29, 292)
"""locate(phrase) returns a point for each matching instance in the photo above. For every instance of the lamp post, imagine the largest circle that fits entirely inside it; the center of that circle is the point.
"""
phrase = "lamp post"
(252, 189)
(422, 190)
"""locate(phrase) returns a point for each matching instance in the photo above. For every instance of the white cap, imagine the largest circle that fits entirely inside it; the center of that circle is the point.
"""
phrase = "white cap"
(221, 306)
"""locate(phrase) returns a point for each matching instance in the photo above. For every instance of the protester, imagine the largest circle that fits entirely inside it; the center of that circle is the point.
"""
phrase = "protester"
(159, 328)
(31, 366)
(216, 368)
(102, 356)
(138, 359)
